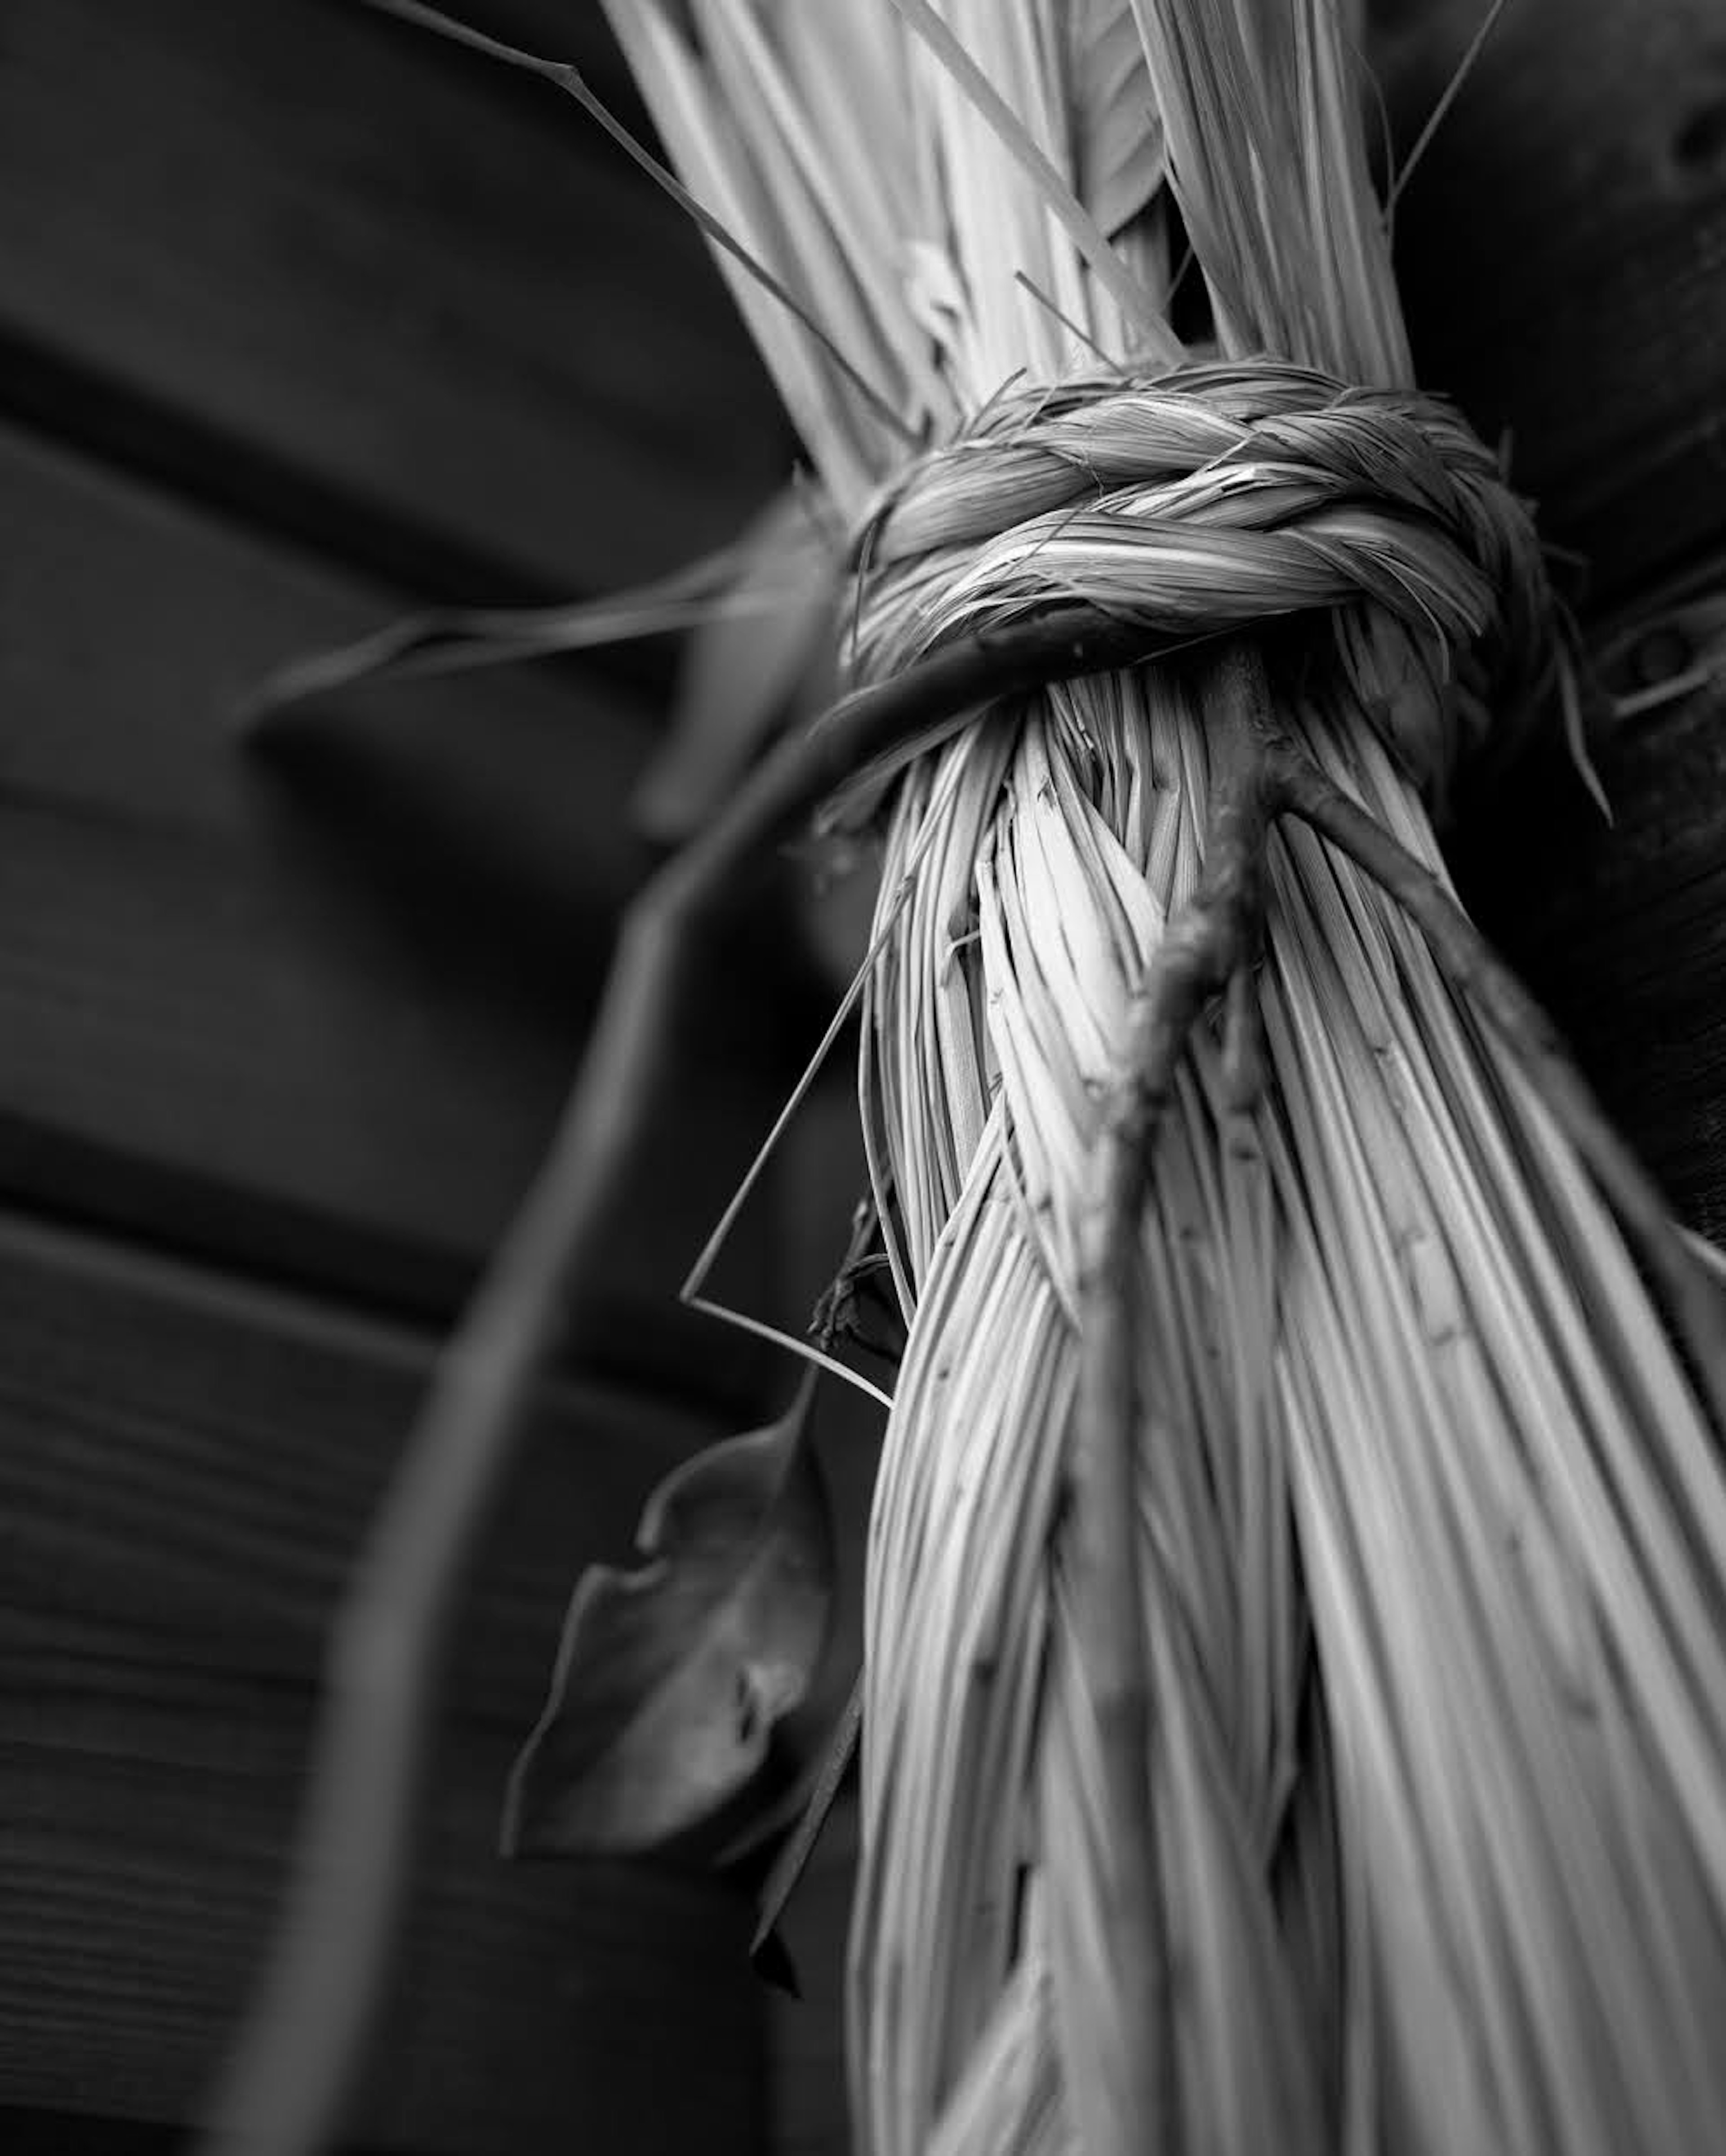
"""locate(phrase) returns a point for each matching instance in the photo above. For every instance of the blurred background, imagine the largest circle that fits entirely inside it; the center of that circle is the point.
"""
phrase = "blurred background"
(307, 320)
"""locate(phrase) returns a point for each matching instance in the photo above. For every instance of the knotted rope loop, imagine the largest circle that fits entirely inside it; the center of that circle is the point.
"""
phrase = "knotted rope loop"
(1202, 501)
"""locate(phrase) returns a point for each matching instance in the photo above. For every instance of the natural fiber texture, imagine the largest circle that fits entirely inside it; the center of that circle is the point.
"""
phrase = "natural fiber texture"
(1431, 1537)
(1392, 1410)
(1221, 497)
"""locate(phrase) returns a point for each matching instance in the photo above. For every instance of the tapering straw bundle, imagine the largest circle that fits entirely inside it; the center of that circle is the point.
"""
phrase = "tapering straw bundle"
(1427, 1538)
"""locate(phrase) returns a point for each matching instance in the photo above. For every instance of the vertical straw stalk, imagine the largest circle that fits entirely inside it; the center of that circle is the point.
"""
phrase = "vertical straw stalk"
(1295, 1700)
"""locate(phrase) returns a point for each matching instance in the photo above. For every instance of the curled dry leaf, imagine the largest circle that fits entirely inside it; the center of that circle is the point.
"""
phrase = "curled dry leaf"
(669, 1679)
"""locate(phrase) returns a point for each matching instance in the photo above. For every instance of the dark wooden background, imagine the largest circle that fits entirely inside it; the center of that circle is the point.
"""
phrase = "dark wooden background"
(304, 321)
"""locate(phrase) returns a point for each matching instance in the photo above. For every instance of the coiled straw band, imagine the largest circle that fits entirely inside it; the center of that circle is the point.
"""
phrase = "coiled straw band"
(1215, 498)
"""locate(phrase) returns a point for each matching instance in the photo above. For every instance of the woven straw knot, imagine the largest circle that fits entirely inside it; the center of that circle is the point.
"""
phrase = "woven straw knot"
(1216, 497)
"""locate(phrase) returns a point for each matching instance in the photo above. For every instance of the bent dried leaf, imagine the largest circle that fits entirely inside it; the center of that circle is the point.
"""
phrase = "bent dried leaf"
(670, 1678)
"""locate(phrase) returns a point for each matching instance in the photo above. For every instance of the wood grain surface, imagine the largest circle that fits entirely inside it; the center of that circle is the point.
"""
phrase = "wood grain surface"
(316, 1016)
(334, 260)
(303, 320)
(1561, 251)
(186, 1465)
(148, 1824)
(1620, 928)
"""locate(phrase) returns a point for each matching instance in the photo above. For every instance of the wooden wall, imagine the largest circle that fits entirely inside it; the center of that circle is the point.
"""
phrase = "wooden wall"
(1563, 254)
(305, 319)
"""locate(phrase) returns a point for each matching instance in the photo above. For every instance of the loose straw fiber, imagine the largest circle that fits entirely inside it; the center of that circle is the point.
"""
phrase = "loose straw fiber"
(1432, 1535)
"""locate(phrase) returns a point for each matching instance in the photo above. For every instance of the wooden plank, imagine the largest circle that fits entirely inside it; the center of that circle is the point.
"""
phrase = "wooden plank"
(306, 234)
(140, 1861)
(187, 1466)
(1620, 929)
(186, 1471)
(132, 626)
(320, 1019)
(1562, 253)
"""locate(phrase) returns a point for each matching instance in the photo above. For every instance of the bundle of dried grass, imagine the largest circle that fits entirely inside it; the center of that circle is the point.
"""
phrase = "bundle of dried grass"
(1419, 1843)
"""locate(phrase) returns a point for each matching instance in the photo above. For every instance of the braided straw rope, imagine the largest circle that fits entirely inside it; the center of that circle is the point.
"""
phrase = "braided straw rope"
(1478, 1560)
(1221, 497)
(1430, 1535)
